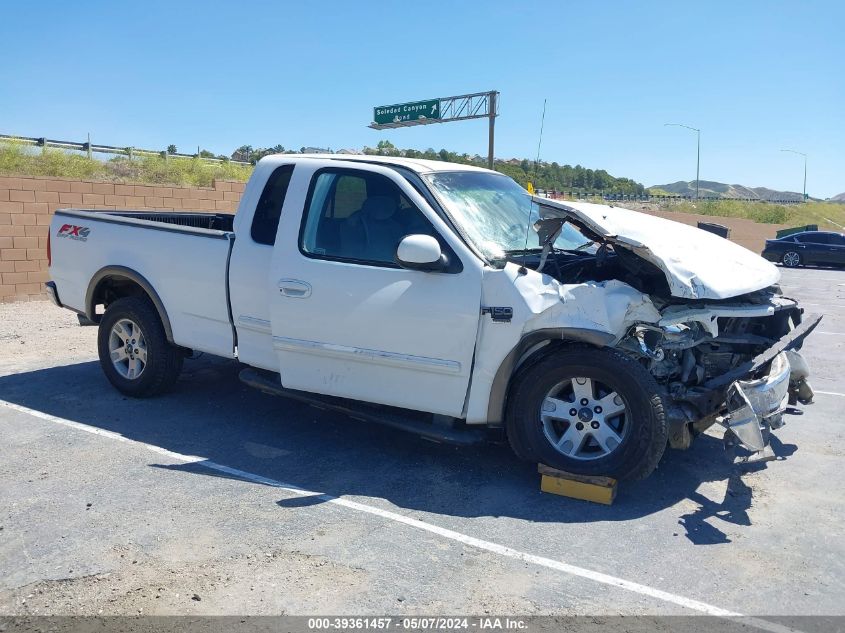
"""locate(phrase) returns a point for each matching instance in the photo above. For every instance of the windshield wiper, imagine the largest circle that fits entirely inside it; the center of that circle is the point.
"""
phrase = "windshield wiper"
(522, 251)
(577, 249)
(557, 249)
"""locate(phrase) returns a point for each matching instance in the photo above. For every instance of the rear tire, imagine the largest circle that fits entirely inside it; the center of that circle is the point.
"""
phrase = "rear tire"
(134, 352)
(619, 426)
(791, 259)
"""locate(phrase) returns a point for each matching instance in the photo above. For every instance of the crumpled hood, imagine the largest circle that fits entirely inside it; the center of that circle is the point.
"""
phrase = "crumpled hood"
(697, 264)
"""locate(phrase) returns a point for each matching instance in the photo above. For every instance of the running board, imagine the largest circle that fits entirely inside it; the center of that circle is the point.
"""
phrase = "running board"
(425, 425)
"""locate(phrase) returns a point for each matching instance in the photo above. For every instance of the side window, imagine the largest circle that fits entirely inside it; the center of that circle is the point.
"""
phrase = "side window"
(265, 222)
(358, 216)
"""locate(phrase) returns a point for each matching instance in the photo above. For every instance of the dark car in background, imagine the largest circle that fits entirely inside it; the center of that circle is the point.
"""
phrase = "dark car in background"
(821, 248)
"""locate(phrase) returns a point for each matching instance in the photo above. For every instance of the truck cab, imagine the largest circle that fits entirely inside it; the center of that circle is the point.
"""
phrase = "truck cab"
(408, 290)
(318, 295)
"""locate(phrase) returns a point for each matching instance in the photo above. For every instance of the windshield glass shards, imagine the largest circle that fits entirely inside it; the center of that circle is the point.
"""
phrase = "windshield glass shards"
(496, 213)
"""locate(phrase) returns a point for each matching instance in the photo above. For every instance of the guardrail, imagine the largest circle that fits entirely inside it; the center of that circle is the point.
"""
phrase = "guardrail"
(91, 148)
(574, 193)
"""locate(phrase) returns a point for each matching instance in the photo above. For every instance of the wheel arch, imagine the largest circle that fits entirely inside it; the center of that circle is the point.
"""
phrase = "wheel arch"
(530, 348)
(112, 282)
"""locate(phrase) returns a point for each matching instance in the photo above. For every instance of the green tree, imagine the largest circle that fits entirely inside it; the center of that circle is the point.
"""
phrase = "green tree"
(386, 148)
(243, 153)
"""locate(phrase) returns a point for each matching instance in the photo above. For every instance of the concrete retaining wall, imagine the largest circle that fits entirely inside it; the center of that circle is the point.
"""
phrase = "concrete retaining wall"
(27, 205)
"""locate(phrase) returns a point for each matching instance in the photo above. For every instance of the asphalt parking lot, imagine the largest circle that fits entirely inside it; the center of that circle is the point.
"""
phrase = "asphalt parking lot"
(217, 499)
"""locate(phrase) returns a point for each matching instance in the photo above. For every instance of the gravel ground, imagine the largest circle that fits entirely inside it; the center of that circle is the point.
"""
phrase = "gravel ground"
(91, 524)
(35, 331)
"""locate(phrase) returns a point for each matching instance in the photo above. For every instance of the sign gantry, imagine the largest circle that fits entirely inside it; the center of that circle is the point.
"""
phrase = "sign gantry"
(478, 105)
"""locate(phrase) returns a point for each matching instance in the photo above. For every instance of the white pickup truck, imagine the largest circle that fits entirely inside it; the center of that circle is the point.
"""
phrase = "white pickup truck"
(445, 299)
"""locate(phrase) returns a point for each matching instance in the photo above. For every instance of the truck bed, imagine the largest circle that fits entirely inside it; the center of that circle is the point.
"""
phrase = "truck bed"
(183, 256)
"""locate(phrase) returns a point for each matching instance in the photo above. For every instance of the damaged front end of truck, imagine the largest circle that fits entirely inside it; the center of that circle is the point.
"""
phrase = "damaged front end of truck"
(705, 316)
(736, 365)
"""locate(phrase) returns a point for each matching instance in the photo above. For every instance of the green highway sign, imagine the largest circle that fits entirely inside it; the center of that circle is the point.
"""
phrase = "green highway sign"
(478, 105)
(401, 112)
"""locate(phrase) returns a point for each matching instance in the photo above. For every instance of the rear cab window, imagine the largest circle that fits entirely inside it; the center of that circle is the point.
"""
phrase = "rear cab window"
(265, 222)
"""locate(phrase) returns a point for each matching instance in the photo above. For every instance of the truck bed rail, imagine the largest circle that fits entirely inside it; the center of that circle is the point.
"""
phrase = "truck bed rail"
(213, 221)
(213, 224)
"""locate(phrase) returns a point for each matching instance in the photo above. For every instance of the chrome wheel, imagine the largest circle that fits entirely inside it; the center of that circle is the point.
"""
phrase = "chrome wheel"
(791, 259)
(128, 349)
(584, 418)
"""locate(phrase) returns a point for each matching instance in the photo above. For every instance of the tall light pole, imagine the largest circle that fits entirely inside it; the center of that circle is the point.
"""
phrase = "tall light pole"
(792, 151)
(697, 151)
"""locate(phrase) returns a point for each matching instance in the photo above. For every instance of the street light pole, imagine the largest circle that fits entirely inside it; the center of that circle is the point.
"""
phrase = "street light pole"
(697, 151)
(792, 151)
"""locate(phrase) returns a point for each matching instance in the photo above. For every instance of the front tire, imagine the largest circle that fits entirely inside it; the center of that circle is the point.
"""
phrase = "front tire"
(791, 259)
(588, 411)
(134, 352)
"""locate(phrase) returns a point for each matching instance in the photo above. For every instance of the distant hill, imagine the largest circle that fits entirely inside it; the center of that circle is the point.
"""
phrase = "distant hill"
(838, 198)
(709, 188)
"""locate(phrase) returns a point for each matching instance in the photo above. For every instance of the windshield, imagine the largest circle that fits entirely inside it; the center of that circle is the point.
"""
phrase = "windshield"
(495, 213)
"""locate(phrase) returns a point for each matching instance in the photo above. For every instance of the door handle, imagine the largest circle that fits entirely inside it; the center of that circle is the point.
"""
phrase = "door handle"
(294, 288)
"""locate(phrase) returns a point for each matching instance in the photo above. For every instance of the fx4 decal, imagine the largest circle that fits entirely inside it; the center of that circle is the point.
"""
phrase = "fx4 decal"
(74, 232)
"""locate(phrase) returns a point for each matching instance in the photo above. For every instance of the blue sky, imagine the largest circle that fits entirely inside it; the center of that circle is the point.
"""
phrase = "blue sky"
(754, 76)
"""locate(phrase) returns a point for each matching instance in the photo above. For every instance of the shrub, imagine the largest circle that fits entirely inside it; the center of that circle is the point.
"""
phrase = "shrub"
(20, 159)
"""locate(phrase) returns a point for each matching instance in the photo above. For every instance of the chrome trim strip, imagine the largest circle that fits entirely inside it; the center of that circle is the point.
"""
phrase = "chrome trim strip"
(379, 357)
(255, 324)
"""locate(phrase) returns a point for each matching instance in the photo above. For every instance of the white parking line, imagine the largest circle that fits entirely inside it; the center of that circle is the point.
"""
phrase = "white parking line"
(502, 550)
(796, 280)
(831, 333)
(830, 393)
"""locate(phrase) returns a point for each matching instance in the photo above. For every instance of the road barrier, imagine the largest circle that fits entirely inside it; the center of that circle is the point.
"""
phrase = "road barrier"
(574, 193)
(90, 148)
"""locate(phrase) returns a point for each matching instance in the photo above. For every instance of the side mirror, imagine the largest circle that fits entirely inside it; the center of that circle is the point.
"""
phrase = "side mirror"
(420, 252)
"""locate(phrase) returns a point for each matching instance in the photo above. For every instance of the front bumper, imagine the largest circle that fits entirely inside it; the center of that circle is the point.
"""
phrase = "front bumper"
(755, 405)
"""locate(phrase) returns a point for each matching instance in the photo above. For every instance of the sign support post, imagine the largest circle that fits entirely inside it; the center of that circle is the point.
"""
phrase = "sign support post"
(490, 139)
(478, 105)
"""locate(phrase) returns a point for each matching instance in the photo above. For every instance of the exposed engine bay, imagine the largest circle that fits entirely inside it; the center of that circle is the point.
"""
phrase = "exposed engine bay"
(702, 352)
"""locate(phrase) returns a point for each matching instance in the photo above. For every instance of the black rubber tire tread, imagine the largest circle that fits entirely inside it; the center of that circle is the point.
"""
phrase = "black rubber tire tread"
(164, 361)
(642, 448)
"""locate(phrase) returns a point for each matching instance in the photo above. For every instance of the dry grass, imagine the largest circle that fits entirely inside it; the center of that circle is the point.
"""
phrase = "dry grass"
(18, 159)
